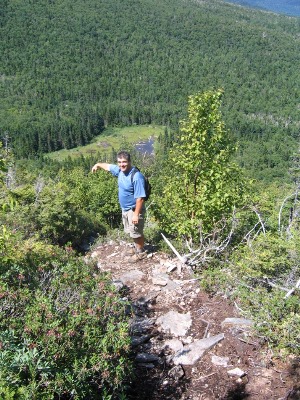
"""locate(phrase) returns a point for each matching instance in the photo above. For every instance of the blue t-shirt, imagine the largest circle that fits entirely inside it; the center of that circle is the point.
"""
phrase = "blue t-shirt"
(129, 191)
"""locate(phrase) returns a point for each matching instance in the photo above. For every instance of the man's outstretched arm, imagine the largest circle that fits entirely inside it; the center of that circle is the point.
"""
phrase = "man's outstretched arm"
(104, 166)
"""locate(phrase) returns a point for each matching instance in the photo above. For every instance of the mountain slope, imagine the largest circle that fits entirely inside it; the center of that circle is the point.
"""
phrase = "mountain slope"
(71, 67)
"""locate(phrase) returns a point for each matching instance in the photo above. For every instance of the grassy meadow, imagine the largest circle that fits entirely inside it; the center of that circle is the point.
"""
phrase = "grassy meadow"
(110, 140)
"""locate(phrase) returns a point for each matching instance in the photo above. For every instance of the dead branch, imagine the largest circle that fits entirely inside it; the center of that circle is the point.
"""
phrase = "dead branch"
(210, 244)
(182, 259)
(270, 283)
(246, 237)
(292, 290)
(281, 208)
(260, 219)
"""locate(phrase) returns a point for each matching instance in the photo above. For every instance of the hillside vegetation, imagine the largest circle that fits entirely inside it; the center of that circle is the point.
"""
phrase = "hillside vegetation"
(64, 327)
(200, 77)
(71, 68)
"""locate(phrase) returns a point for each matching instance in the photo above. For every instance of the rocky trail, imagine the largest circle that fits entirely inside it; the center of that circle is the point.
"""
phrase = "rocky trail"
(187, 344)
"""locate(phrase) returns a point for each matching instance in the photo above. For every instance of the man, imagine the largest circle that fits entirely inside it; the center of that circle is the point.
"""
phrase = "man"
(131, 197)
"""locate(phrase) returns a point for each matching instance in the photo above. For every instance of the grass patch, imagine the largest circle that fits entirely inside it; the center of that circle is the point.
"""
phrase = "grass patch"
(109, 140)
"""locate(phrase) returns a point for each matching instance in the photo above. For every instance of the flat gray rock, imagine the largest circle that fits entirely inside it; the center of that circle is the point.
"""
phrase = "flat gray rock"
(173, 344)
(131, 276)
(237, 323)
(171, 285)
(220, 361)
(191, 353)
(175, 323)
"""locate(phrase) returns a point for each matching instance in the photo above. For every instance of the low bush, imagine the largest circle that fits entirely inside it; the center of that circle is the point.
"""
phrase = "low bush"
(257, 278)
(63, 328)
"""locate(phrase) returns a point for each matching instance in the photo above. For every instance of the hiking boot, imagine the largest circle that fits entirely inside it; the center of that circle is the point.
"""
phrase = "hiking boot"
(137, 257)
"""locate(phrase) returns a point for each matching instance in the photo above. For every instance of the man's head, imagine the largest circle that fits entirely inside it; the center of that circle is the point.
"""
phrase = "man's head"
(124, 161)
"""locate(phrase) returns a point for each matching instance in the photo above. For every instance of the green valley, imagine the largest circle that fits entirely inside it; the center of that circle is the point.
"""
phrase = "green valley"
(70, 69)
(110, 141)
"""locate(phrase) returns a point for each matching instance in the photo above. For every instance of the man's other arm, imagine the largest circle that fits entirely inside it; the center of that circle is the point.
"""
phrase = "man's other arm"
(138, 209)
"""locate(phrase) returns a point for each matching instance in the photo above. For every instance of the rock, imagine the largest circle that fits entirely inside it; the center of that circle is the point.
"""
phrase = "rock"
(176, 372)
(118, 284)
(187, 340)
(138, 340)
(171, 267)
(174, 344)
(237, 323)
(171, 285)
(221, 361)
(175, 323)
(131, 276)
(151, 297)
(147, 365)
(160, 279)
(146, 358)
(140, 326)
(236, 372)
(191, 353)
(159, 269)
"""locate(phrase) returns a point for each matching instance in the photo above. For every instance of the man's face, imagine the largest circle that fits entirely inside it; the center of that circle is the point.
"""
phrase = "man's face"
(124, 165)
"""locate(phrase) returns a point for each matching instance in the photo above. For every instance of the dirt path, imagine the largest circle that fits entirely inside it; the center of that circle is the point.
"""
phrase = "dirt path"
(236, 367)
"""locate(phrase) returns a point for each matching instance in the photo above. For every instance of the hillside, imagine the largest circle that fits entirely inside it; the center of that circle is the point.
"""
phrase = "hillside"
(73, 304)
(71, 68)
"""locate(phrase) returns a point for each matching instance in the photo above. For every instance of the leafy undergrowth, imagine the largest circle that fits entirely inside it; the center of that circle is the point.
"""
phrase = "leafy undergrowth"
(263, 279)
(63, 328)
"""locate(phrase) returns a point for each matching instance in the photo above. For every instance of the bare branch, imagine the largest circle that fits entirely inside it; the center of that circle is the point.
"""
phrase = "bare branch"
(292, 290)
(211, 244)
(260, 220)
(281, 208)
(246, 237)
(182, 259)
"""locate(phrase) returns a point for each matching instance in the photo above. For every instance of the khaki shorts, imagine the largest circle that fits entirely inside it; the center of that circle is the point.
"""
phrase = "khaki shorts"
(135, 231)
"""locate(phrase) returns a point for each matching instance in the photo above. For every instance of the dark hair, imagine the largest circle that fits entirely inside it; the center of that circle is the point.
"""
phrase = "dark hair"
(124, 154)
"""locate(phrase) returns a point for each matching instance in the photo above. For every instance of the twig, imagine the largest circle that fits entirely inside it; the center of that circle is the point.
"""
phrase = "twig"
(292, 290)
(274, 285)
(246, 341)
(205, 333)
(238, 307)
(206, 376)
(260, 220)
(209, 244)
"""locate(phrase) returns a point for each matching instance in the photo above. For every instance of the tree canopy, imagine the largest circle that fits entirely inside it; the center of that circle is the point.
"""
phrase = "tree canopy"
(70, 68)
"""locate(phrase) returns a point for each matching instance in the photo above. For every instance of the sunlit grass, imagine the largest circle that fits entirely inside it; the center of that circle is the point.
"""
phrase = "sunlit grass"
(111, 139)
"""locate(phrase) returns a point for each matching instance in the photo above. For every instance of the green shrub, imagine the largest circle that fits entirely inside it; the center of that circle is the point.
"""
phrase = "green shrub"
(276, 318)
(269, 255)
(254, 278)
(63, 329)
(61, 211)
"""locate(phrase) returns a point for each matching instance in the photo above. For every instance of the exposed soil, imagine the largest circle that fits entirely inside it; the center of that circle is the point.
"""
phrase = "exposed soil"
(265, 377)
